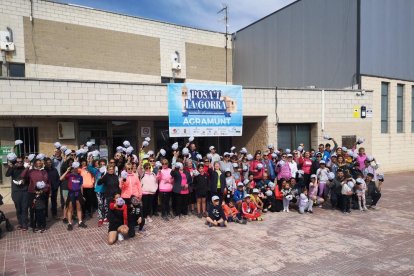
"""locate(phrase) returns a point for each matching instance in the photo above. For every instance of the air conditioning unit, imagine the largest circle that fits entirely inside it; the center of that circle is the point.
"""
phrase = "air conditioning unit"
(176, 66)
(7, 46)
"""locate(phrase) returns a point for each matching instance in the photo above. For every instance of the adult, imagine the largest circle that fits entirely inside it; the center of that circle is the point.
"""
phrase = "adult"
(182, 180)
(149, 188)
(226, 164)
(54, 181)
(214, 155)
(130, 185)
(257, 168)
(88, 187)
(306, 167)
(33, 175)
(57, 160)
(374, 190)
(165, 182)
(293, 166)
(110, 185)
(19, 193)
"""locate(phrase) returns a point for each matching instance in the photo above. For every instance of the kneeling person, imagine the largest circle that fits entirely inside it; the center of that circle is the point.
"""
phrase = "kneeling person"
(216, 216)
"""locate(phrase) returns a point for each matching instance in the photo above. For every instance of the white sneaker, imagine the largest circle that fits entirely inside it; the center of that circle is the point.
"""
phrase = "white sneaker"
(287, 210)
(360, 208)
(120, 237)
(365, 209)
(149, 219)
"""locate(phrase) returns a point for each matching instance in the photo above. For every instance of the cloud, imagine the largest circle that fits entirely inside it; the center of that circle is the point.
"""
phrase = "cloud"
(193, 13)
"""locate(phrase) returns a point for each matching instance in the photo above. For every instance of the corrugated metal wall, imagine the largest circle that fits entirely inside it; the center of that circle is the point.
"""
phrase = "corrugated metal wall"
(387, 38)
(312, 42)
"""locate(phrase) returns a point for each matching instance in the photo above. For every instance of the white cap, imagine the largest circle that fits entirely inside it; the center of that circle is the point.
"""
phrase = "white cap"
(281, 162)
(288, 151)
(246, 181)
(240, 184)
(75, 165)
(124, 174)
(243, 150)
(191, 139)
(145, 144)
(268, 193)
(95, 153)
(249, 157)
(360, 180)
(147, 139)
(163, 152)
(313, 176)
(145, 156)
(380, 177)
(78, 152)
(326, 137)
(211, 148)
(360, 140)
(11, 156)
(209, 156)
(199, 156)
(274, 155)
(126, 143)
(289, 155)
(102, 169)
(63, 148)
(18, 142)
(214, 198)
(158, 164)
(271, 185)
(344, 148)
(322, 162)
(232, 148)
(370, 158)
(231, 154)
(226, 154)
(40, 185)
(32, 156)
(270, 146)
(300, 148)
(68, 151)
(235, 165)
(119, 149)
(195, 172)
(350, 184)
(246, 196)
(245, 168)
(57, 145)
(150, 152)
(40, 156)
(174, 146)
(89, 144)
(185, 151)
(255, 191)
(179, 165)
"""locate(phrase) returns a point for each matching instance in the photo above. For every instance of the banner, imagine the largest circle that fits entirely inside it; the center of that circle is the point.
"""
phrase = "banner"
(205, 110)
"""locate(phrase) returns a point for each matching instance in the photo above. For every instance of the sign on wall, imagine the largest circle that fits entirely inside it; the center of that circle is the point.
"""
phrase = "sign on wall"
(205, 110)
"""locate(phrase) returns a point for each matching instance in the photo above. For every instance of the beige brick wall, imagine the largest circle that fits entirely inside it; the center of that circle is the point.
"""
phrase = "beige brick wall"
(172, 38)
(389, 148)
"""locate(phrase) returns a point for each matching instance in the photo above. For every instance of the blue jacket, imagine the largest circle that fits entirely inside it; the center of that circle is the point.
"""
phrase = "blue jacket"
(238, 195)
(97, 174)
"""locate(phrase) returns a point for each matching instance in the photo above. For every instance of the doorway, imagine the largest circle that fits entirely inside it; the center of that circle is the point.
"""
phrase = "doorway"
(289, 136)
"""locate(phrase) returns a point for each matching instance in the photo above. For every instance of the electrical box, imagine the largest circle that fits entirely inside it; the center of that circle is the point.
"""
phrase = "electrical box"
(363, 111)
(176, 66)
(7, 46)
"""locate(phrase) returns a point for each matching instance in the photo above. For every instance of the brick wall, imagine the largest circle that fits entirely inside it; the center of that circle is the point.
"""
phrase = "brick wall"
(172, 37)
(392, 149)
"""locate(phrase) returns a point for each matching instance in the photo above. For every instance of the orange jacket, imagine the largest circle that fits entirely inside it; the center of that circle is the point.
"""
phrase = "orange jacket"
(229, 211)
(88, 178)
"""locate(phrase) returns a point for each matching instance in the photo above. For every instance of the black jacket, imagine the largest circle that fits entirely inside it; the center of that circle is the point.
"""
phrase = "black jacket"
(201, 184)
(54, 179)
(214, 181)
(111, 183)
(177, 180)
(15, 174)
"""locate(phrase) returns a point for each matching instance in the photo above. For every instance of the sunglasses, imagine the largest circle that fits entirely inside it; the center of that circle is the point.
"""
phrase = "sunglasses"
(111, 161)
(165, 163)
(206, 161)
(152, 161)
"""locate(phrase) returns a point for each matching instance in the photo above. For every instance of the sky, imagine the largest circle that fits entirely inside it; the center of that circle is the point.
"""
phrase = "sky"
(193, 13)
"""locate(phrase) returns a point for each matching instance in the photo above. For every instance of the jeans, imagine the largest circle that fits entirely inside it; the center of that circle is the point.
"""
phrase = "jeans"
(20, 199)
(165, 203)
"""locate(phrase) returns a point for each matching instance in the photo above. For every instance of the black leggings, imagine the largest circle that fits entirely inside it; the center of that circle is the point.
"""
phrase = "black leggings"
(90, 198)
(165, 203)
(147, 202)
(182, 204)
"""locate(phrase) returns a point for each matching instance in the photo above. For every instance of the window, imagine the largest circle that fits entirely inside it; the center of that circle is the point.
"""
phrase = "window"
(412, 109)
(16, 70)
(1, 69)
(384, 107)
(30, 140)
(400, 108)
(171, 80)
(289, 136)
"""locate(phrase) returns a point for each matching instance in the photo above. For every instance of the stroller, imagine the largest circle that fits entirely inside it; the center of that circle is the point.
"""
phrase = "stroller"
(3, 218)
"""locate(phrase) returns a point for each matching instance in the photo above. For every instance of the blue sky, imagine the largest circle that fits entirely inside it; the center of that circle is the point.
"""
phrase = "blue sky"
(194, 13)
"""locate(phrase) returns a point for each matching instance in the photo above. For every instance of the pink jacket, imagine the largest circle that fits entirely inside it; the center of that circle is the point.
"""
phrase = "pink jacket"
(149, 184)
(361, 161)
(165, 180)
(284, 172)
(130, 187)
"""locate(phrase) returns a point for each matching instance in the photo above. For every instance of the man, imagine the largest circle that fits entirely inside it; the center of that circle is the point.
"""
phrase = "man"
(271, 151)
(374, 191)
(315, 164)
(34, 175)
(214, 156)
(57, 160)
(19, 191)
(335, 189)
(54, 181)
(226, 164)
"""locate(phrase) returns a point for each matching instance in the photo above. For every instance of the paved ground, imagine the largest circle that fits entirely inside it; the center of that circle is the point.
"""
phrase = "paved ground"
(377, 242)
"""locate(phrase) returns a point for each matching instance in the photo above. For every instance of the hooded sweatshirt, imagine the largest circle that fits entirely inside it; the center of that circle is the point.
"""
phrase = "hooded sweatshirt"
(149, 183)
(165, 180)
(130, 187)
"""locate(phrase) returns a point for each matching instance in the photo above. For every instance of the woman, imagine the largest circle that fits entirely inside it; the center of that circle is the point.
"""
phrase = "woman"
(217, 182)
(182, 181)
(257, 168)
(192, 197)
(130, 186)
(342, 164)
(306, 167)
(118, 220)
(110, 186)
(165, 186)
(149, 188)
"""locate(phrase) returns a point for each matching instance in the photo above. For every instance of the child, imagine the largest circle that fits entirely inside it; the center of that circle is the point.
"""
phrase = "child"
(287, 196)
(231, 212)
(347, 186)
(39, 206)
(238, 195)
(251, 184)
(75, 197)
(256, 200)
(118, 220)
(135, 216)
(249, 210)
(230, 186)
(216, 216)
(313, 191)
(304, 203)
(361, 187)
(201, 186)
(322, 175)
(278, 204)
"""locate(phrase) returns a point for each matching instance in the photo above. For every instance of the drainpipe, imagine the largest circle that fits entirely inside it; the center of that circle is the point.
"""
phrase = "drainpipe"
(323, 111)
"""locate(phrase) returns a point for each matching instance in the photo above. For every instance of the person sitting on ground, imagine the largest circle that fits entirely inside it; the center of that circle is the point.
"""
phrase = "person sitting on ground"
(305, 205)
(313, 191)
(249, 210)
(374, 189)
(118, 220)
(216, 216)
(256, 200)
(231, 212)
(238, 195)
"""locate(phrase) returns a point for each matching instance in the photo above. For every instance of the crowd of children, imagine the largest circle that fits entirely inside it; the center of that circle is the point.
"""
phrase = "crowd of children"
(128, 190)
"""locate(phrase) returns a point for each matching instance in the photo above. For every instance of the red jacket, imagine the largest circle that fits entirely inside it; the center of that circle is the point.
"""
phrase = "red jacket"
(34, 176)
(124, 210)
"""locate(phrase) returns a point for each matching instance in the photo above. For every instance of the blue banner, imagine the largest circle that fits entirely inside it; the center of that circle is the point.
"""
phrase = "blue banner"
(205, 110)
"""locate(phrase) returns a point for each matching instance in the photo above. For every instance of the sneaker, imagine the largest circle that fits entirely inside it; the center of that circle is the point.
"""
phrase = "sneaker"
(209, 224)
(120, 237)
(222, 224)
(35, 230)
(365, 209)
(264, 210)
(106, 220)
(82, 225)
(360, 208)
(65, 220)
(244, 221)
(18, 227)
(373, 206)
(70, 227)
(287, 210)
(149, 219)
(320, 205)
(310, 212)
(165, 218)
(100, 222)
(42, 230)
(261, 219)
(24, 228)
(200, 215)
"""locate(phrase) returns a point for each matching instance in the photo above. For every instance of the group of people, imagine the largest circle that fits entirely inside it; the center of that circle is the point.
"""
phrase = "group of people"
(131, 188)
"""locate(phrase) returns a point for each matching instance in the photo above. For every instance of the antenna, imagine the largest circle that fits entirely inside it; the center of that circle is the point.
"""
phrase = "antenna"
(225, 9)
